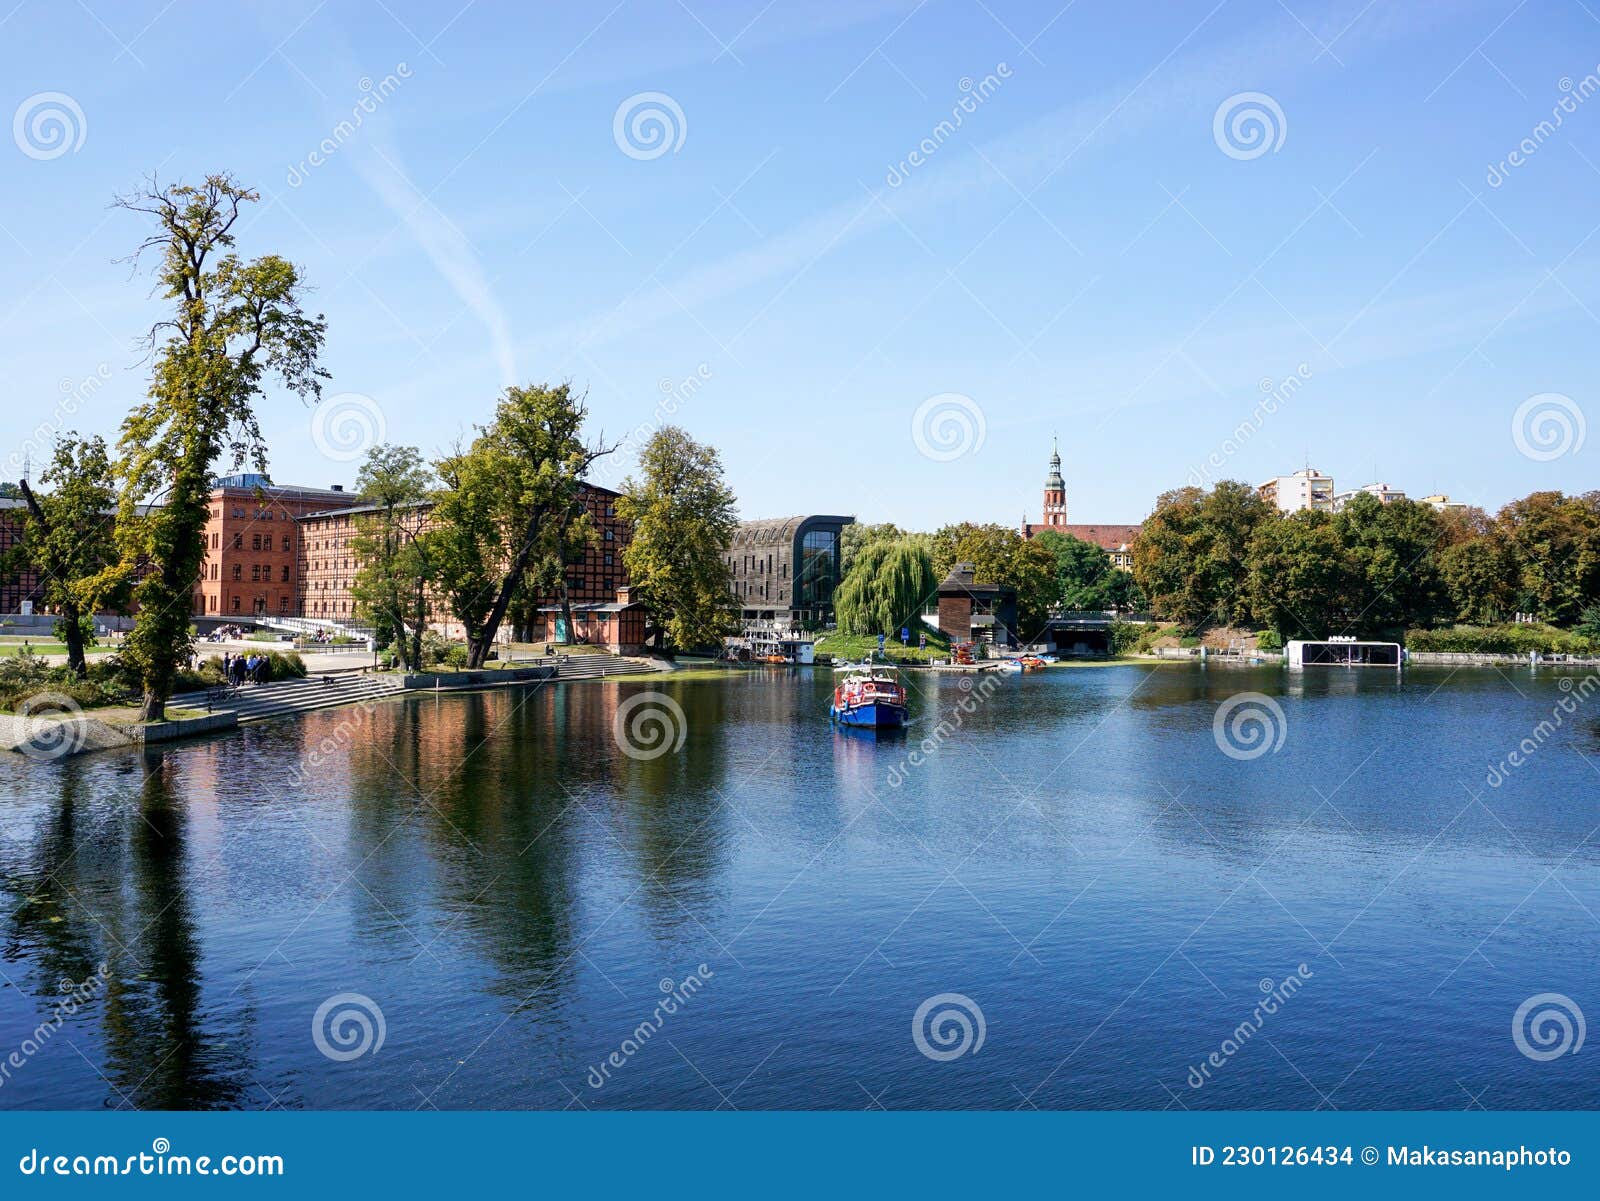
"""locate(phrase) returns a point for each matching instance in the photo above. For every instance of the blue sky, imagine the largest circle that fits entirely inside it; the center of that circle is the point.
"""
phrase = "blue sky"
(1081, 256)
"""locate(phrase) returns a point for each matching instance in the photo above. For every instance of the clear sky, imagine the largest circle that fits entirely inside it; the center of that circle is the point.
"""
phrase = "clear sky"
(1094, 251)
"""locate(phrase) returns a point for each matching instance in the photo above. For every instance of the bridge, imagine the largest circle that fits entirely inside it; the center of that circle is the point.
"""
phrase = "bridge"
(1081, 633)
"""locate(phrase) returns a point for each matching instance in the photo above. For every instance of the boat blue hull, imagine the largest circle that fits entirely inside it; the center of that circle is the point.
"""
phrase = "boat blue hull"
(877, 716)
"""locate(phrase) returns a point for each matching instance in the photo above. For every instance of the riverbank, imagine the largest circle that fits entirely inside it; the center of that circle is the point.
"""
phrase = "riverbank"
(57, 735)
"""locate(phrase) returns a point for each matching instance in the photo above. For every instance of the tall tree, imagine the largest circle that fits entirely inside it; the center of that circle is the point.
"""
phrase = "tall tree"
(1555, 540)
(1300, 580)
(234, 325)
(388, 591)
(68, 539)
(1392, 553)
(519, 474)
(684, 516)
(886, 588)
(857, 535)
(1191, 556)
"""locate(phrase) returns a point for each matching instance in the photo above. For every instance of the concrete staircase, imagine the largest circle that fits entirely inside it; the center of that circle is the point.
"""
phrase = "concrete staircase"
(588, 667)
(255, 702)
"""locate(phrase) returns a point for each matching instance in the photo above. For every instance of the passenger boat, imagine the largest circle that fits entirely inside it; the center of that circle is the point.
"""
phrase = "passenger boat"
(873, 698)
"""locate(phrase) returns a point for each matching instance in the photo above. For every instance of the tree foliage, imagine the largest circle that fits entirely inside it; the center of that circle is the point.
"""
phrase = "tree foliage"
(502, 493)
(234, 325)
(886, 588)
(68, 540)
(1190, 558)
(391, 587)
(684, 516)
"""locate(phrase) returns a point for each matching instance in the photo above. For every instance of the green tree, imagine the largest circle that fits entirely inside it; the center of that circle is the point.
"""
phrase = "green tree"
(1479, 578)
(518, 475)
(1555, 541)
(1031, 569)
(858, 535)
(1298, 581)
(233, 325)
(684, 516)
(388, 589)
(886, 587)
(1391, 552)
(68, 540)
(1190, 559)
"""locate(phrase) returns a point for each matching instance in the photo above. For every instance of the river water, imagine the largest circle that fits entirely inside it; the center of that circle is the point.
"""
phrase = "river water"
(1090, 892)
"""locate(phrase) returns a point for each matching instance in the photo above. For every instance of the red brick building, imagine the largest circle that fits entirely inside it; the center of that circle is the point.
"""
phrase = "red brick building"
(252, 544)
(328, 565)
(1115, 540)
(16, 587)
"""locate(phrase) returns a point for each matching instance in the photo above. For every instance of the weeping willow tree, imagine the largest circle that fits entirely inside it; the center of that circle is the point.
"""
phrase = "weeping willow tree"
(887, 585)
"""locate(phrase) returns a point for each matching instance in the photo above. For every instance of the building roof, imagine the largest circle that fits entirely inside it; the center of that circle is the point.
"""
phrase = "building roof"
(251, 481)
(1106, 537)
(961, 582)
(776, 530)
(368, 507)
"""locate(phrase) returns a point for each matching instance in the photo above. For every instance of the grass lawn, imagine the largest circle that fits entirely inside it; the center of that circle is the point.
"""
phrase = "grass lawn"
(13, 646)
(854, 647)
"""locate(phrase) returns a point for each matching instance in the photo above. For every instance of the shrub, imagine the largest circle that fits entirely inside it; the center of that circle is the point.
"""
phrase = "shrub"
(27, 675)
(1269, 640)
(287, 665)
(1501, 639)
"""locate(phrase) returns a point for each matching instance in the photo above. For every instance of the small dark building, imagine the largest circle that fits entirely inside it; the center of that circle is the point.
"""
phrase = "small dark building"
(974, 612)
(785, 569)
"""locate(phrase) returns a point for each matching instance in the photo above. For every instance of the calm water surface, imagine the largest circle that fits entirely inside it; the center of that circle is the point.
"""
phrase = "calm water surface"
(1078, 858)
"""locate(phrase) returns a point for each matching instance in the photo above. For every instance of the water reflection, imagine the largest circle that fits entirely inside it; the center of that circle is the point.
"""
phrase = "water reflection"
(510, 884)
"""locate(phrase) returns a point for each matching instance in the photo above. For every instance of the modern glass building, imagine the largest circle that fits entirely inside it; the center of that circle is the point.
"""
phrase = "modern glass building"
(785, 569)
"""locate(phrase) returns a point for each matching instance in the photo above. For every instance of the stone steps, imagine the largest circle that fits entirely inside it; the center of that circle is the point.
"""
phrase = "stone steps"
(254, 702)
(257, 702)
(585, 667)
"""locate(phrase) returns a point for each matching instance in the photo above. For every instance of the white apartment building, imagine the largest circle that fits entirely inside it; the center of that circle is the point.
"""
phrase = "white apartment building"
(1383, 492)
(1307, 488)
(1443, 503)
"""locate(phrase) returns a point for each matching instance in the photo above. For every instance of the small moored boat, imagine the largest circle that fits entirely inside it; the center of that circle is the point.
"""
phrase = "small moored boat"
(873, 698)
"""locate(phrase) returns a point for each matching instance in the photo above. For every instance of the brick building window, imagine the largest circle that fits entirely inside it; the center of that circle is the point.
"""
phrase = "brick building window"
(236, 570)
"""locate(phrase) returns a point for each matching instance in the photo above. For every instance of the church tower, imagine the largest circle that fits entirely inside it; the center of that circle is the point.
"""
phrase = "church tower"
(1055, 492)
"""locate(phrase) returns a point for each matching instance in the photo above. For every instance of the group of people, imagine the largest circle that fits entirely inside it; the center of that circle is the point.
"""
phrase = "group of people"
(241, 669)
(224, 633)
